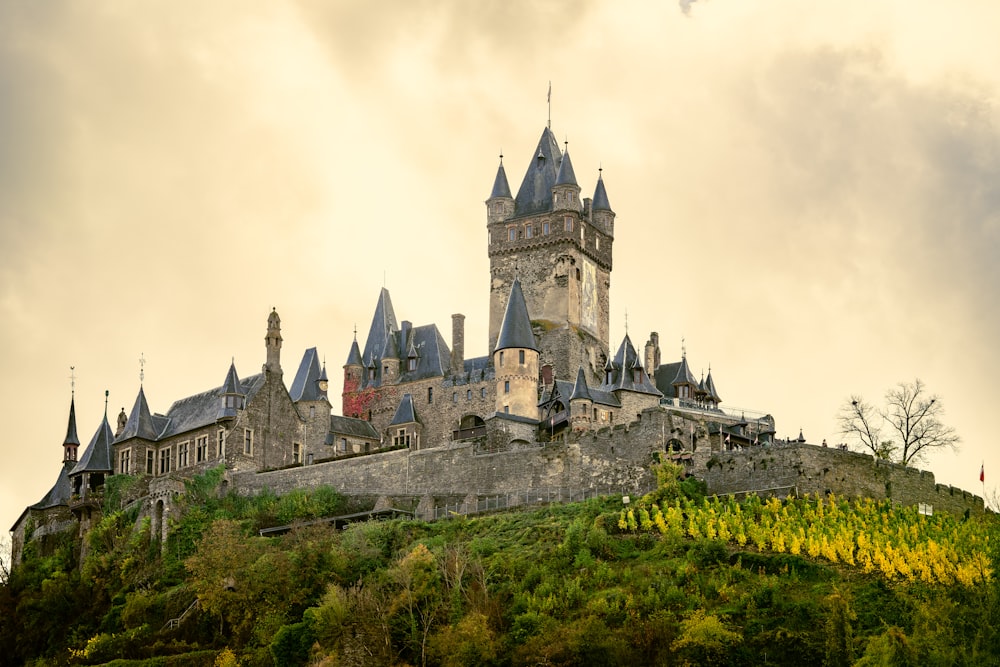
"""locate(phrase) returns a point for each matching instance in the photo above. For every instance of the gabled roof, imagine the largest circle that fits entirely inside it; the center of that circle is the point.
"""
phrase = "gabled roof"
(202, 409)
(601, 202)
(358, 428)
(535, 194)
(563, 388)
(515, 330)
(305, 386)
(97, 456)
(141, 423)
(565, 175)
(500, 187)
(625, 361)
(405, 413)
(71, 437)
(383, 324)
(580, 389)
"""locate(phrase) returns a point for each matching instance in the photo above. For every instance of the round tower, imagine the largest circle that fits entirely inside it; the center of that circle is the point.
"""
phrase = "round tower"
(515, 360)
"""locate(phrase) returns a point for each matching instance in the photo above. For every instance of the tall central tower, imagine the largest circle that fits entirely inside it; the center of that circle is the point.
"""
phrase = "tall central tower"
(559, 247)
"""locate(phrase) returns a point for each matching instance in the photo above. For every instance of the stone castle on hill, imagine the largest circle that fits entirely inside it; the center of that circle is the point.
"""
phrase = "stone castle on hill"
(549, 407)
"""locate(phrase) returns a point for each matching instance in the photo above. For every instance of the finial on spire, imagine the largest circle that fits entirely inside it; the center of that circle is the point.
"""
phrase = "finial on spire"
(355, 332)
(550, 105)
(142, 367)
(626, 321)
(684, 352)
(501, 156)
(72, 381)
(106, 394)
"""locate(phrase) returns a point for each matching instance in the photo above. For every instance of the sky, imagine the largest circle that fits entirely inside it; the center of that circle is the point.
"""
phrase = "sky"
(807, 194)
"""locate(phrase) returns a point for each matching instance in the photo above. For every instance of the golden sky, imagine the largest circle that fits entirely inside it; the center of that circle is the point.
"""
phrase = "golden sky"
(807, 193)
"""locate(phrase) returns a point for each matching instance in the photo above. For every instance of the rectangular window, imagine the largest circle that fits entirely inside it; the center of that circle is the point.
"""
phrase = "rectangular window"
(183, 454)
(482, 392)
(165, 460)
(430, 394)
(248, 441)
(468, 394)
(529, 231)
(150, 461)
(506, 386)
(520, 357)
(343, 444)
(568, 223)
(511, 233)
(296, 452)
(411, 364)
(312, 411)
(501, 357)
(454, 397)
(201, 449)
(125, 462)
(545, 228)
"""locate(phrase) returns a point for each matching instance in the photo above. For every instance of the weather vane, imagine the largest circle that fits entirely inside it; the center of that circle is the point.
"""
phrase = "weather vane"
(72, 380)
(142, 367)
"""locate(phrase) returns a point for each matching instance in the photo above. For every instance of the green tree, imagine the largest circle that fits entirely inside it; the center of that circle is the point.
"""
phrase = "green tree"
(704, 640)
(839, 631)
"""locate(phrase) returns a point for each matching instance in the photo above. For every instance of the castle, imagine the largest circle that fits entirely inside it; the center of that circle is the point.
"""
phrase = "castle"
(549, 406)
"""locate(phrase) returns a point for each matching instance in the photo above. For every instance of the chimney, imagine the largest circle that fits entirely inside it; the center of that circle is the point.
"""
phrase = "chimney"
(457, 344)
(652, 354)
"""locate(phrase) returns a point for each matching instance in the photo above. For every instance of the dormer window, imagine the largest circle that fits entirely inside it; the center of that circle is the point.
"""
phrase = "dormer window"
(607, 377)
(637, 375)
(411, 364)
(371, 373)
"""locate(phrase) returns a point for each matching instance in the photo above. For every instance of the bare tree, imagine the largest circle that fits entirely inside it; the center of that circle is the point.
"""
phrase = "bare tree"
(912, 416)
(5, 559)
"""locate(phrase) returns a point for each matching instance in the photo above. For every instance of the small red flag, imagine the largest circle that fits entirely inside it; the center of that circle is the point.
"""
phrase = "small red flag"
(982, 473)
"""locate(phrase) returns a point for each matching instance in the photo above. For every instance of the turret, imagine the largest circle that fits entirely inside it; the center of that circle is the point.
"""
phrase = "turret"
(390, 361)
(566, 192)
(273, 343)
(354, 368)
(580, 402)
(684, 383)
(603, 216)
(500, 205)
(515, 360)
(71, 442)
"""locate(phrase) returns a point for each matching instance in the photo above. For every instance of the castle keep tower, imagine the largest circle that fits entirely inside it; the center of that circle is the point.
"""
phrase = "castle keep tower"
(560, 248)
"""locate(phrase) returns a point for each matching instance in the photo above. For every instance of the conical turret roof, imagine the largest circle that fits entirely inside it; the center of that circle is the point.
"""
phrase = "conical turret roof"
(97, 456)
(354, 356)
(601, 202)
(140, 421)
(232, 383)
(580, 389)
(383, 325)
(710, 388)
(305, 386)
(500, 187)
(515, 330)
(684, 375)
(71, 437)
(566, 175)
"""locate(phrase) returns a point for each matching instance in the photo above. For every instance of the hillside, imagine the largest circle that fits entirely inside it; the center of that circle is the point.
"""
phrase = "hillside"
(671, 579)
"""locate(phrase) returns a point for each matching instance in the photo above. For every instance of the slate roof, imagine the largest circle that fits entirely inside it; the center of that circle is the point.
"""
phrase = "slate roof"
(97, 456)
(535, 194)
(684, 375)
(515, 330)
(141, 423)
(566, 175)
(383, 324)
(500, 186)
(580, 389)
(710, 387)
(71, 437)
(665, 374)
(358, 428)
(305, 386)
(563, 388)
(354, 356)
(405, 413)
(601, 202)
(60, 492)
(625, 360)
(188, 414)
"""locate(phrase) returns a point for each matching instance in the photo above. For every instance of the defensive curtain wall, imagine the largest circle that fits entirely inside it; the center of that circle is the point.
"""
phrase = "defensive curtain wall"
(614, 459)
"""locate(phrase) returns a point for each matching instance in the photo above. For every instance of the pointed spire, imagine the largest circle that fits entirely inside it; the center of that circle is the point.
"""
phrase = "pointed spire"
(232, 384)
(515, 330)
(382, 326)
(601, 202)
(322, 373)
(354, 356)
(710, 387)
(71, 436)
(97, 456)
(684, 375)
(500, 187)
(566, 175)
(580, 389)
(535, 193)
(140, 421)
(232, 394)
